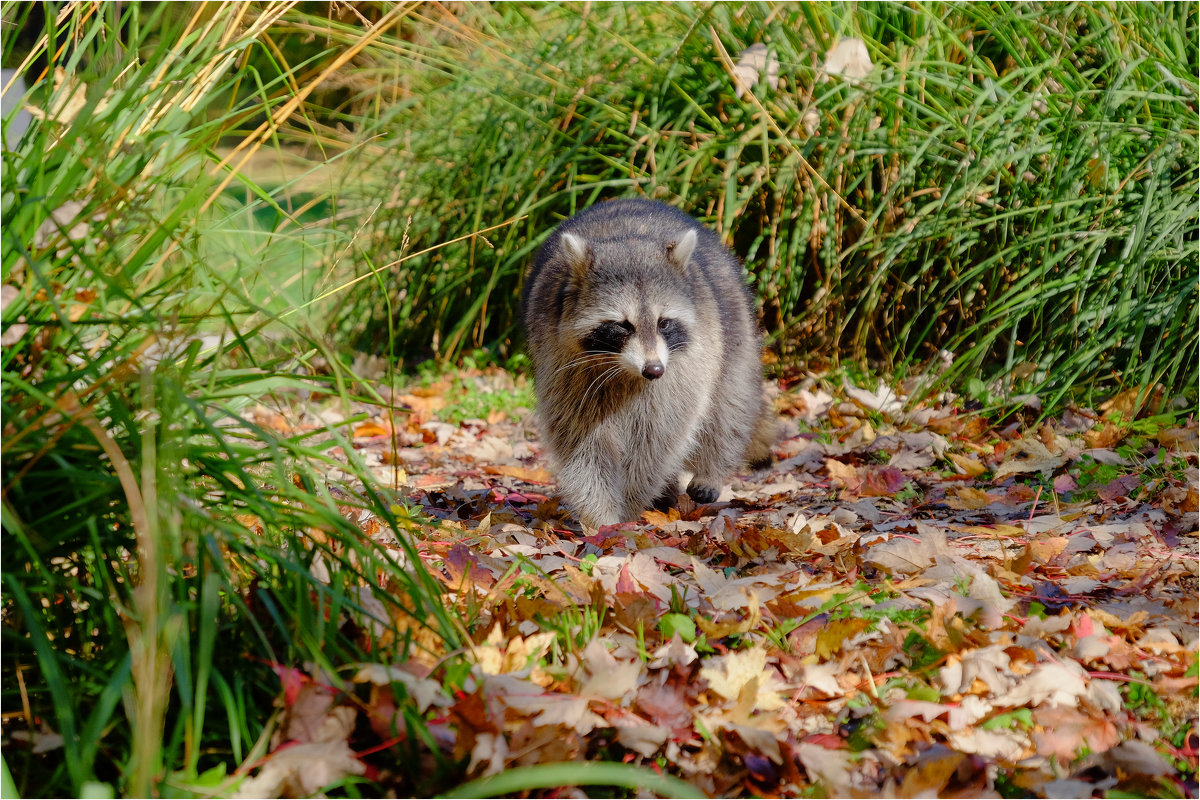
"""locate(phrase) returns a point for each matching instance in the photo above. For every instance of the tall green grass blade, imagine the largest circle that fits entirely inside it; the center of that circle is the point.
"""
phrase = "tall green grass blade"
(544, 776)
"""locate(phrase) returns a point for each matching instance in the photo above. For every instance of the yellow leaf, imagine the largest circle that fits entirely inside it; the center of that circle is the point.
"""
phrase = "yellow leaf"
(831, 637)
(967, 498)
(969, 464)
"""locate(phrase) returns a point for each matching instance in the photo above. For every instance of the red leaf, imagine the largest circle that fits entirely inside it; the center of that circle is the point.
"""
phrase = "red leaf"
(291, 679)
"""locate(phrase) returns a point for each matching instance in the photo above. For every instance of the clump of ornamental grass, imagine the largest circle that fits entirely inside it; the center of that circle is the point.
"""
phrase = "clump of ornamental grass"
(166, 553)
(1008, 191)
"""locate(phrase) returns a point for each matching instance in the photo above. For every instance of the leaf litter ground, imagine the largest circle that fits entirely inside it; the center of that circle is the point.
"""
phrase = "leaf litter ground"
(908, 602)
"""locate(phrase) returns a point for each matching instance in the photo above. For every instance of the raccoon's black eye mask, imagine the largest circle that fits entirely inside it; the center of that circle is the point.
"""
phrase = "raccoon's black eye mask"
(608, 337)
(673, 333)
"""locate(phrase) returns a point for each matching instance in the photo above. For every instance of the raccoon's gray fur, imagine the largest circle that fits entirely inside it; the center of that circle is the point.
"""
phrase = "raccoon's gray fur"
(646, 359)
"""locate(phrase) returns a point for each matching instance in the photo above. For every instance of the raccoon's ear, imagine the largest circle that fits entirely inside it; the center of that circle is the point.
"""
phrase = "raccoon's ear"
(681, 250)
(578, 254)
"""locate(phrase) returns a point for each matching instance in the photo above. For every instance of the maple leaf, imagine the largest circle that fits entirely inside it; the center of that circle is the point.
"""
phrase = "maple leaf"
(908, 555)
(1064, 732)
(842, 475)
(302, 770)
(829, 767)
(610, 678)
(1026, 456)
(727, 594)
(964, 498)
(834, 634)
(1004, 745)
(823, 678)
(425, 692)
(848, 55)
(933, 769)
(637, 734)
(729, 674)
(675, 653)
(968, 465)
(1058, 683)
(882, 482)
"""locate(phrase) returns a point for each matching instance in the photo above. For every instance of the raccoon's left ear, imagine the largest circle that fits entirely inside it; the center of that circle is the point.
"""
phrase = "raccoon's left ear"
(681, 250)
(578, 254)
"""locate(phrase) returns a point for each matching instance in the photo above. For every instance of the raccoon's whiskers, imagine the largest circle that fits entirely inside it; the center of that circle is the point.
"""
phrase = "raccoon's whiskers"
(589, 358)
(602, 379)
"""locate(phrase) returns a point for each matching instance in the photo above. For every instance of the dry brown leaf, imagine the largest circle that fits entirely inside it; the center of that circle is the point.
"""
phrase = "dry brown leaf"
(1028, 456)
(967, 498)
(302, 770)
(536, 475)
(1105, 436)
(968, 464)
(933, 770)
(842, 475)
(1065, 732)
(370, 429)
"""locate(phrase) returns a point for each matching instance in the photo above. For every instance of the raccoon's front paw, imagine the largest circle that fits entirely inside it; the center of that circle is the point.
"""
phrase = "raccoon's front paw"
(703, 494)
(666, 499)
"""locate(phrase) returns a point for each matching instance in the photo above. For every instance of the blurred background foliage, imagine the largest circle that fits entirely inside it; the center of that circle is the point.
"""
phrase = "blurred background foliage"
(207, 205)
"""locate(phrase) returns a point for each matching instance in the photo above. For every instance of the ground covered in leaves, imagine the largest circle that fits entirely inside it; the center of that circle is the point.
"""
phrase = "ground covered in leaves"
(926, 601)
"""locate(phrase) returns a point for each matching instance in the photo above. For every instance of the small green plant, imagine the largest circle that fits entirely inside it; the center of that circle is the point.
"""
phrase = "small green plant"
(1093, 474)
(1019, 718)
(921, 651)
(573, 628)
(671, 624)
(1142, 699)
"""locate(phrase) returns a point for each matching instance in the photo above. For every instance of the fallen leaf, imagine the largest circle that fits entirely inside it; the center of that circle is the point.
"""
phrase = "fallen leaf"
(968, 464)
(1027, 456)
(370, 429)
(302, 770)
(751, 63)
(849, 57)
(536, 475)
(842, 475)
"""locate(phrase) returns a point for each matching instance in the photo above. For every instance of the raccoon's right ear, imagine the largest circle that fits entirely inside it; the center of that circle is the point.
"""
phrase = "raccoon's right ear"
(578, 254)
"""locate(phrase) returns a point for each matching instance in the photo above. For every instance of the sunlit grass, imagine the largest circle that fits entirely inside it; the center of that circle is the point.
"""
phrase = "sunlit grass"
(164, 549)
(1014, 184)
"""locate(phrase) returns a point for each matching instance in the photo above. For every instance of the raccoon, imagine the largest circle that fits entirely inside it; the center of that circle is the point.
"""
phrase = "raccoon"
(646, 359)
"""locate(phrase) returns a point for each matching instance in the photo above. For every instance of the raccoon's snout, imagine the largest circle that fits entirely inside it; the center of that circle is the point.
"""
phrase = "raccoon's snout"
(652, 370)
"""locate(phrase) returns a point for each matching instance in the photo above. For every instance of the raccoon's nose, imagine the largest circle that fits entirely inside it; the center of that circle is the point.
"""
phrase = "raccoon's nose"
(652, 370)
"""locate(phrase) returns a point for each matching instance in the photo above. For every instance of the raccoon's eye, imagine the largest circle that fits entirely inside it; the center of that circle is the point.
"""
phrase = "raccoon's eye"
(674, 333)
(609, 337)
(627, 325)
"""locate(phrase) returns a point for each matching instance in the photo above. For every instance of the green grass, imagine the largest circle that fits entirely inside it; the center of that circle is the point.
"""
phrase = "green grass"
(1013, 183)
(161, 547)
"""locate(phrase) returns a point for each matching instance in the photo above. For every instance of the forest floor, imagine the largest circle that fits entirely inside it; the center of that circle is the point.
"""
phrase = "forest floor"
(908, 602)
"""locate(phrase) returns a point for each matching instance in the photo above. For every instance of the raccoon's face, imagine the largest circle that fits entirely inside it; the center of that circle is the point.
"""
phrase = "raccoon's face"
(631, 308)
(645, 337)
